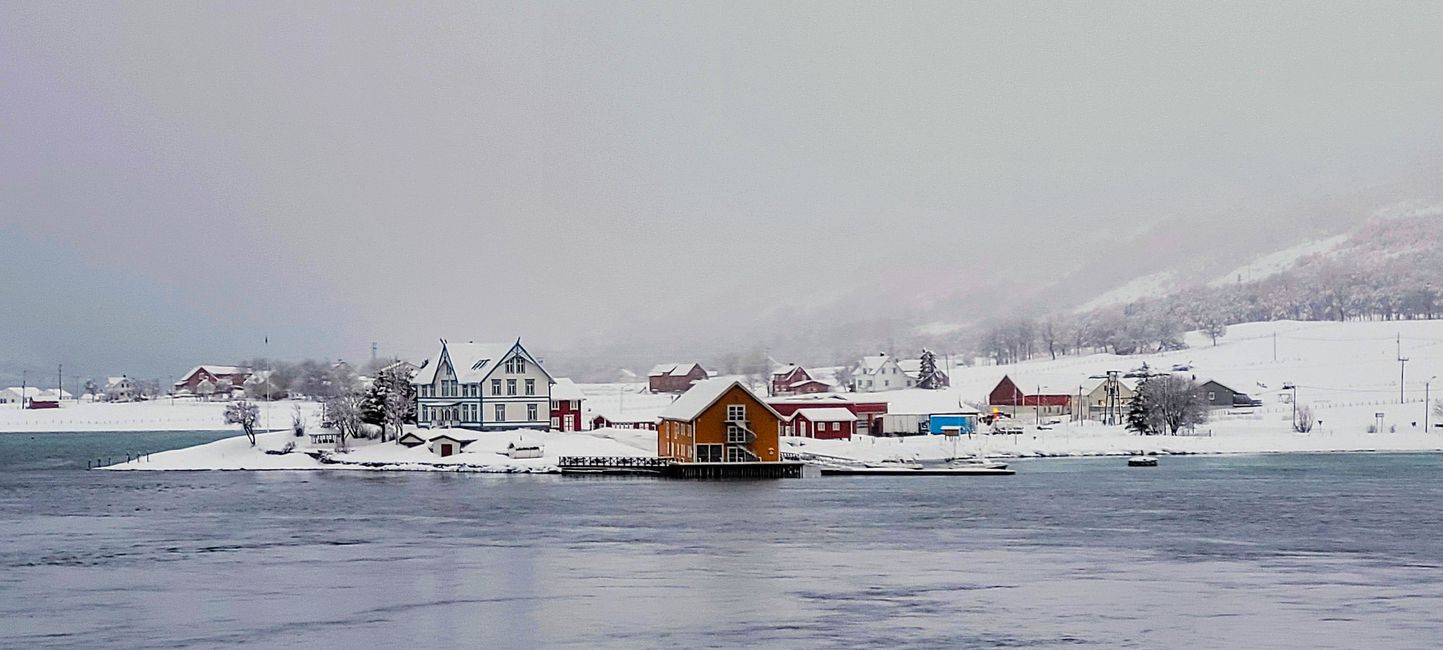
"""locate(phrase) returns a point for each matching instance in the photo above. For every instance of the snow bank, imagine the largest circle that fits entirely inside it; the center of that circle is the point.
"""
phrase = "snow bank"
(158, 415)
(484, 454)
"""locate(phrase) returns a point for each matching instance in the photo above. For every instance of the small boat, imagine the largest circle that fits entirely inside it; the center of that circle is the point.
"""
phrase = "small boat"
(894, 463)
(918, 471)
(973, 461)
(1142, 461)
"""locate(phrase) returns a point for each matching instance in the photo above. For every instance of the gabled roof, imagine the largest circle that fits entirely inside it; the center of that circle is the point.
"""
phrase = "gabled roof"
(472, 362)
(870, 365)
(564, 390)
(219, 371)
(702, 395)
(671, 369)
(786, 370)
(444, 436)
(826, 415)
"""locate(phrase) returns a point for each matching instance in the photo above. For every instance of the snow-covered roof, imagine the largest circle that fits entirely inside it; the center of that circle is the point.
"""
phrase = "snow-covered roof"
(826, 415)
(664, 369)
(870, 365)
(470, 361)
(785, 370)
(213, 369)
(565, 390)
(701, 396)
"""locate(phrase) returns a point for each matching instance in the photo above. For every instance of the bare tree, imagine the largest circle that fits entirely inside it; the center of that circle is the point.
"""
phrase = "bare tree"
(1166, 404)
(245, 414)
(1303, 421)
(1215, 327)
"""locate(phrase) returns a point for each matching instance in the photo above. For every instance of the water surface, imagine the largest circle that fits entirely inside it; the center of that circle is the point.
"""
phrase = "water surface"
(1241, 551)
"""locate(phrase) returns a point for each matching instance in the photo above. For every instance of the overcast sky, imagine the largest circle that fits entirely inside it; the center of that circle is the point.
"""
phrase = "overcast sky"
(179, 180)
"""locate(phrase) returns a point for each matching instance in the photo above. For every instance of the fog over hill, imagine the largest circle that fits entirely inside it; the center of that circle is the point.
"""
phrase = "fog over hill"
(622, 184)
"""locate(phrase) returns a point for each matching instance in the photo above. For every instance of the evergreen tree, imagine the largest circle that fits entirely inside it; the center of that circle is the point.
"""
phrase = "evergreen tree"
(929, 378)
(1140, 410)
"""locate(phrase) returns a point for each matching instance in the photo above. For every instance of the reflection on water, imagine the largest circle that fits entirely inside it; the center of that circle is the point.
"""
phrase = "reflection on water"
(1300, 551)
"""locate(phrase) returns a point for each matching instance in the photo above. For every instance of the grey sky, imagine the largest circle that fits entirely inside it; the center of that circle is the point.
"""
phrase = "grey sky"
(178, 179)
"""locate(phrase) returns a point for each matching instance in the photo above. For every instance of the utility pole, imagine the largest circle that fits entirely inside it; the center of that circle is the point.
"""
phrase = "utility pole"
(23, 387)
(59, 382)
(1402, 366)
(1275, 347)
(1427, 394)
(1293, 387)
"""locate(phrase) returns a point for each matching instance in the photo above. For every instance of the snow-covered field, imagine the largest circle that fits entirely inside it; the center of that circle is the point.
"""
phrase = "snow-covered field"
(1347, 373)
(158, 415)
(485, 454)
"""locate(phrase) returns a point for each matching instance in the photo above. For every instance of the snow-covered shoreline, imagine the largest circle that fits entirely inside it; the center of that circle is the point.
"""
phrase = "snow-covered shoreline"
(158, 415)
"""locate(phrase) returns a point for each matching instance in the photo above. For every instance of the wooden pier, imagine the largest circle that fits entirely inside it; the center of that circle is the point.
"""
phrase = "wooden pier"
(666, 468)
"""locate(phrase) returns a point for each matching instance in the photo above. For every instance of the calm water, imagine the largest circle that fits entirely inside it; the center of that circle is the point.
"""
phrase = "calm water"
(1260, 551)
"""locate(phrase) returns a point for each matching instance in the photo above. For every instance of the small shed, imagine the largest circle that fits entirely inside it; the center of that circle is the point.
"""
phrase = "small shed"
(445, 445)
(411, 440)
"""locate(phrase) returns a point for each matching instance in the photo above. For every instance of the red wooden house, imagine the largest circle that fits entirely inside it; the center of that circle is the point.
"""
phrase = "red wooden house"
(214, 377)
(675, 377)
(566, 399)
(832, 423)
(868, 413)
(1009, 397)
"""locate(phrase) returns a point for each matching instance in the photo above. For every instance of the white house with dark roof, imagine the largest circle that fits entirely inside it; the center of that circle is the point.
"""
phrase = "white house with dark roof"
(483, 386)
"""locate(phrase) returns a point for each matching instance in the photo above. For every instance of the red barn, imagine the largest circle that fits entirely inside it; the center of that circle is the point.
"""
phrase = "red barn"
(1008, 394)
(212, 375)
(603, 422)
(833, 423)
(675, 377)
(785, 376)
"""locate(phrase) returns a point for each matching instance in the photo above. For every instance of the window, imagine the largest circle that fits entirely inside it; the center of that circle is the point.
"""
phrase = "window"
(530, 386)
(556, 423)
(495, 386)
(425, 414)
(736, 412)
(708, 453)
(736, 433)
(1211, 396)
(737, 455)
(520, 365)
(500, 412)
(510, 386)
(530, 412)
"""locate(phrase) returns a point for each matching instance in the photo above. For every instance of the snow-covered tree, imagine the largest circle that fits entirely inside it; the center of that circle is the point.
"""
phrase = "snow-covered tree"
(245, 414)
(1215, 327)
(929, 377)
(344, 413)
(1139, 411)
(91, 389)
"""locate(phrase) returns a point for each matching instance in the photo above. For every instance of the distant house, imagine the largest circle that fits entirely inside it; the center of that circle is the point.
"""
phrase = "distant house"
(674, 377)
(868, 413)
(1096, 399)
(33, 397)
(1010, 398)
(832, 423)
(566, 404)
(121, 389)
(1219, 396)
(211, 380)
(483, 386)
(880, 372)
(719, 421)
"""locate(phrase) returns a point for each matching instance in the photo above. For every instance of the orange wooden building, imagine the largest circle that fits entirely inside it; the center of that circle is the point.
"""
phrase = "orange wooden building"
(719, 421)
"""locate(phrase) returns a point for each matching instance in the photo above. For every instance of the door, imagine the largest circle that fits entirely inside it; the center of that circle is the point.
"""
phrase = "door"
(445, 450)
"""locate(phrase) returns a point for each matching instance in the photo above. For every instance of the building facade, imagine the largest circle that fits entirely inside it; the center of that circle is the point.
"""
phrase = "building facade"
(879, 373)
(483, 386)
(719, 421)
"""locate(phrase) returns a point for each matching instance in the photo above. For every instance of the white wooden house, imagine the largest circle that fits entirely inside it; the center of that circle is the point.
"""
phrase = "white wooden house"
(880, 372)
(483, 387)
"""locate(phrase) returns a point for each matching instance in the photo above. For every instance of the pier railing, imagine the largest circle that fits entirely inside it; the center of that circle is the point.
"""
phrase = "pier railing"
(612, 461)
